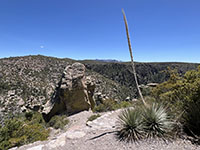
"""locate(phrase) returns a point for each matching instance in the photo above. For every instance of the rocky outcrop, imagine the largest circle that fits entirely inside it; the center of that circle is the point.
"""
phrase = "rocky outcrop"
(99, 98)
(73, 94)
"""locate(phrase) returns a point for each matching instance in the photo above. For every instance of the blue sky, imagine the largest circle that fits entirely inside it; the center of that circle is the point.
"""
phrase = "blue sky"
(160, 30)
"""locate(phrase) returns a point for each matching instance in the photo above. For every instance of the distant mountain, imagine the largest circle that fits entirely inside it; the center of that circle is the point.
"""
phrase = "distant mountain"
(29, 81)
(108, 60)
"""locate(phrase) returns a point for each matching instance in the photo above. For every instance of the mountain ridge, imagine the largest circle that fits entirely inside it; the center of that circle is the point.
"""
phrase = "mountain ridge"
(27, 82)
(102, 60)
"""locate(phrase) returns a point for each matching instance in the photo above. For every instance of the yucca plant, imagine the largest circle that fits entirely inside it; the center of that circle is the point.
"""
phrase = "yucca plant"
(145, 123)
(130, 125)
(149, 121)
(156, 121)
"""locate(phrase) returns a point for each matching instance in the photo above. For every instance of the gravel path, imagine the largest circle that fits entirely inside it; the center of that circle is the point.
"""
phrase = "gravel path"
(92, 136)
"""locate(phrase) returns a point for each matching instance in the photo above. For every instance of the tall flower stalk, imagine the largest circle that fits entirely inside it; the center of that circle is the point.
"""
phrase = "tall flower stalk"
(132, 62)
(146, 122)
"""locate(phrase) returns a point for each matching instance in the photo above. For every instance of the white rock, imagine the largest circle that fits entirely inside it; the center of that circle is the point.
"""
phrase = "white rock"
(39, 147)
(75, 134)
(60, 141)
(20, 102)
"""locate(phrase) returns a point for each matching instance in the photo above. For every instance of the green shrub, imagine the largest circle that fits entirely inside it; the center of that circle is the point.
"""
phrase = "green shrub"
(37, 118)
(107, 105)
(191, 119)
(93, 117)
(7, 131)
(29, 115)
(182, 94)
(16, 132)
(58, 122)
(29, 134)
(124, 104)
(110, 105)
(27, 128)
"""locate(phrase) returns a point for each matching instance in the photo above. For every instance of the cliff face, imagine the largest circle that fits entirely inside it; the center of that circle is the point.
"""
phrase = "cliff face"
(29, 82)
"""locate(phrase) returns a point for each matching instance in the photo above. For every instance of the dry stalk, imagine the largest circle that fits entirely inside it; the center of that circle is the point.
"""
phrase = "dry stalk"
(132, 62)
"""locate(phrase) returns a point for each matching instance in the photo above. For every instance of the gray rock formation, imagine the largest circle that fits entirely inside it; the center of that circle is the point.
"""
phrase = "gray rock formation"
(100, 98)
(73, 94)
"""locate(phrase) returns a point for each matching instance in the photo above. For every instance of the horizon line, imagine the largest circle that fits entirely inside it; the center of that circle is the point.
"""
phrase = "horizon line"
(99, 59)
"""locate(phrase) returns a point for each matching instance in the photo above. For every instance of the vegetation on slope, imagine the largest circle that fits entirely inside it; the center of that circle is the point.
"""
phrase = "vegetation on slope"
(183, 96)
(93, 117)
(110, 105)
(28, 128)
(22, 130)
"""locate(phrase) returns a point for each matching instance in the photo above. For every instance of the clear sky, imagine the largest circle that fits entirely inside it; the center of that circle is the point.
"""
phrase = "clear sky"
(160, 30)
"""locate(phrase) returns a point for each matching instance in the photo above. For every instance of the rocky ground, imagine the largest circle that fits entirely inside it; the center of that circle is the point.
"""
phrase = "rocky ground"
(99, 135)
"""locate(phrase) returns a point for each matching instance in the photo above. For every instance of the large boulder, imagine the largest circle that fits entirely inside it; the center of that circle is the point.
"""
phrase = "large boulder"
(73, 94)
